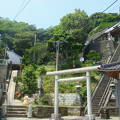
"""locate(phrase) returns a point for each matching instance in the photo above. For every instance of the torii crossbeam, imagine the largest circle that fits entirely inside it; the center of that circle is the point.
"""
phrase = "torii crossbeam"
(87, 70)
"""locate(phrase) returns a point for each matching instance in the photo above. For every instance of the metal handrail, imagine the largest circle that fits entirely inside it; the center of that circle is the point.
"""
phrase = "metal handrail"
(108, 97)
(105, 94)
(107, 90)
(110, 60)
(106, 100)
(116, 54)
(113, 58)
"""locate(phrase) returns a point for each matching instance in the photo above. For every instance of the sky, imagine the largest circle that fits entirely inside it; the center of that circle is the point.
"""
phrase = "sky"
(47, 13)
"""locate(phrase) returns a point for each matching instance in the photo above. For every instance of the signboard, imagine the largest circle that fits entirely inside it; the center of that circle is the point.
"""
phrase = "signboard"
(39, 82)
(118, 93)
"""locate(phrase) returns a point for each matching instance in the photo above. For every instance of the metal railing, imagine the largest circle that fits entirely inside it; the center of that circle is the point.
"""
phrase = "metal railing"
(105, 95)
(107, 91)
(102, 102)
(116, 54)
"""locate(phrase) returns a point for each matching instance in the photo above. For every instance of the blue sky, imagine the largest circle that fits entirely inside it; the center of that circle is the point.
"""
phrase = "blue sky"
(46, 13)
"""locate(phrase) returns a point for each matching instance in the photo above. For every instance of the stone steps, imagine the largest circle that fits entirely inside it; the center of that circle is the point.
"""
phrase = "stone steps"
(102, 86)
(16, 111)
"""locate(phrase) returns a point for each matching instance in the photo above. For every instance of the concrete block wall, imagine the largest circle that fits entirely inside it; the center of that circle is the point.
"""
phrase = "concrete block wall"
(68, 99)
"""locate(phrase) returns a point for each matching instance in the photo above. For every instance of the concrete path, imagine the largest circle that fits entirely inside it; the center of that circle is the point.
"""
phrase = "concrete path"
(64, 118)
(26, 119)
(11, 91)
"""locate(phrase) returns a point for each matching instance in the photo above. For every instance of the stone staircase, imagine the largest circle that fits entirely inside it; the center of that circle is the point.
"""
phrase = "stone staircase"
(13, 107)
(101, 92)
(98, 94)
(16, 111)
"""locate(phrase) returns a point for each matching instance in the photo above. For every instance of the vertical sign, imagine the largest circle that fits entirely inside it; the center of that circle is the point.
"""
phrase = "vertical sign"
(39, 84)
(118, 94)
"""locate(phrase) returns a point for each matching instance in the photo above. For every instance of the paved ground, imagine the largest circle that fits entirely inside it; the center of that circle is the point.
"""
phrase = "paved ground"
(11, 91)
(65, 118)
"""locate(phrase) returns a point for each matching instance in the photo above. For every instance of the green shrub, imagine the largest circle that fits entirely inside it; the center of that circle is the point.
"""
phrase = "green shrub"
(29, 80)
(44, 100)
(18, 79)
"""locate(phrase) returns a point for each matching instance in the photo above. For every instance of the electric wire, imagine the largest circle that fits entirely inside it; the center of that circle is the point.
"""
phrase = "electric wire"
(22, 4)
(110, 6)
(20, 11)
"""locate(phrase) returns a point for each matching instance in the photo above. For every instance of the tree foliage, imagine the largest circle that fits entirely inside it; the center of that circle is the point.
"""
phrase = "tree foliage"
(71, 32)
(101, 21)
(29, 80)
(37, 54)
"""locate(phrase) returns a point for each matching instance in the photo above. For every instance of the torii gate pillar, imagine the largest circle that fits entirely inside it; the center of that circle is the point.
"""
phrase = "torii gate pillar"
(56, 115)
(89, 115)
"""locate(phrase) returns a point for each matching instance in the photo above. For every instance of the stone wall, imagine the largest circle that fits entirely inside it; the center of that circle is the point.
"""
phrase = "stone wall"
(114, 111)
(69, 99)
(111, 111)
(45, 112)
(103, 46)
(3, 74)
(75, 111)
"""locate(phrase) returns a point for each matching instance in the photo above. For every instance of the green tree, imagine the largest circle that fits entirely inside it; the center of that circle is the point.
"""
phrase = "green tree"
(37, 54)
(23, 41)
(29, 80)
(94, 56)
(100, 21)
(72, 32)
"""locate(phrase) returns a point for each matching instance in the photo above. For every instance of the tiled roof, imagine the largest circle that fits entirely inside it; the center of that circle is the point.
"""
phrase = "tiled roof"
(105, 31)
(110, 67)
(13, 57)
(113, 27)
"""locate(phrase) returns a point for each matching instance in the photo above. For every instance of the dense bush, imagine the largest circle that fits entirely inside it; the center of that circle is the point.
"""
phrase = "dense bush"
(44, 100)
(29, 80)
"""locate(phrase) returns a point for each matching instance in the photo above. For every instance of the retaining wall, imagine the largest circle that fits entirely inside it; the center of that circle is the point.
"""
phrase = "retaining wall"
(45, 112)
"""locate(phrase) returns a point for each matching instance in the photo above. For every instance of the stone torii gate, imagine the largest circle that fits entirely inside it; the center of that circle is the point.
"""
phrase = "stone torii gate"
(87, 70)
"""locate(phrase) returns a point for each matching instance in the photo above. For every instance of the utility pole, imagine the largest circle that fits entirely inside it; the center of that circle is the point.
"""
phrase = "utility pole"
(5, 49)
(35, 39)
(57, 54)
(0, 41)
(119, 10)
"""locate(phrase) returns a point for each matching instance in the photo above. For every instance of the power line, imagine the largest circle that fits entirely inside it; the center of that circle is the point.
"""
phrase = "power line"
(20, 11)
(110, 6)
(22, 4)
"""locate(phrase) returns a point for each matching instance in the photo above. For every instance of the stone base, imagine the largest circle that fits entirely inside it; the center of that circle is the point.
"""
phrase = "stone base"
(56, 117)
(89, 117)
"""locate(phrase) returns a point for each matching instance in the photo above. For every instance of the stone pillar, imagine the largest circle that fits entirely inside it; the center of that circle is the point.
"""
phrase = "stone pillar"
(56, 115)
(29, 111)
(89, 115)
(40, 85)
